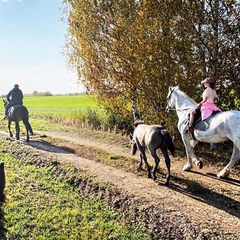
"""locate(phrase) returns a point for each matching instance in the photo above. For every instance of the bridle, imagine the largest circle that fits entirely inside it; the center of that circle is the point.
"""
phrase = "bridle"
(173, 108)
(168, 99)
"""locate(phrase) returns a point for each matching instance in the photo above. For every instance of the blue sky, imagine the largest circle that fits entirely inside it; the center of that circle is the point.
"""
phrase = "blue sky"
(32, 37)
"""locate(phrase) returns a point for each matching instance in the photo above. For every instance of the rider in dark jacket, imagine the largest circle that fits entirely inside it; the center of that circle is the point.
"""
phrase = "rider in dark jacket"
(14, 97)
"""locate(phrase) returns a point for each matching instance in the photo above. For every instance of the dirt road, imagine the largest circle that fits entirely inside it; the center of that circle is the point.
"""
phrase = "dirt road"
(217, 210)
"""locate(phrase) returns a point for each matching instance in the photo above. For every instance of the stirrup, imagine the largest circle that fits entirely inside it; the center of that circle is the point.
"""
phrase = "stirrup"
(191, 129)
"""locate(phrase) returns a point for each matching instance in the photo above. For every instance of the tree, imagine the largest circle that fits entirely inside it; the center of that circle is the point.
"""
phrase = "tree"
(136, 49)
(215, 27)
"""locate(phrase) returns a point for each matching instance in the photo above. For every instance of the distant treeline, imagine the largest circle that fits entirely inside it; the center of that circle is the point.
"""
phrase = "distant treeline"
(47, 93)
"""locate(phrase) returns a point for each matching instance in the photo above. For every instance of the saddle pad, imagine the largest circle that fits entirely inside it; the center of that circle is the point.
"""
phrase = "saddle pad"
(204, 125)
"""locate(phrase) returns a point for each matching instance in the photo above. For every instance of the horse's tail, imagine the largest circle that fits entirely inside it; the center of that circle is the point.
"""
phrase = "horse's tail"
(28, 126)
(169, 141)
(24, 116)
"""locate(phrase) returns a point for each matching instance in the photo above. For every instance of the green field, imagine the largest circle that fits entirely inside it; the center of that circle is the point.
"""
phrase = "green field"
(61, 101)
(72, 108)
(55, 105)
(47, 111)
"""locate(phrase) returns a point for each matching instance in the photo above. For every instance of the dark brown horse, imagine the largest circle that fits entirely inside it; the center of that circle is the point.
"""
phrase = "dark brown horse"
(152, 137)
(16, 113)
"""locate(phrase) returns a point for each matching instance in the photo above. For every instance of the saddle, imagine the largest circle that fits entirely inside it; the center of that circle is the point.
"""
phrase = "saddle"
(198, 123)
(203, 125)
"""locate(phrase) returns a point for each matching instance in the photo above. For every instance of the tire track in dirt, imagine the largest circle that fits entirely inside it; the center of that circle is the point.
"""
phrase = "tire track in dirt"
(173, 198)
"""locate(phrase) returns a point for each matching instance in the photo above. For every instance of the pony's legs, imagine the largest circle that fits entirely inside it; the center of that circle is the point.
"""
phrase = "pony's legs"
(143, 157)
(17, 130)
(168, 163)
(224, 173)
(157, 160)
(140, 163)
(9, 128)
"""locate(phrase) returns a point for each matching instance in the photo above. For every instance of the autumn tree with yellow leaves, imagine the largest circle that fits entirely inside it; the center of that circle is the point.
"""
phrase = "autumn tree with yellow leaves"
(136, 49)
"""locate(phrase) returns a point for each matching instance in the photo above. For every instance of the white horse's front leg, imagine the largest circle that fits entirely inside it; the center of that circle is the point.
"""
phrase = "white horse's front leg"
(189, 151)
(198, 163)
(224, 173)
(189, 144)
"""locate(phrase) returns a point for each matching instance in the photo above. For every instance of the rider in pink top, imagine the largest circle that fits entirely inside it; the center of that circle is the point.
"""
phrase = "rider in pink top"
(209, 95)
(207, 104)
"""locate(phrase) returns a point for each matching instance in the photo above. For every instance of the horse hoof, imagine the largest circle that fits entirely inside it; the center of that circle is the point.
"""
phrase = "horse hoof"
(223, 173)
(200, 164)
(166, 183)
(187, 167)
(139, 169)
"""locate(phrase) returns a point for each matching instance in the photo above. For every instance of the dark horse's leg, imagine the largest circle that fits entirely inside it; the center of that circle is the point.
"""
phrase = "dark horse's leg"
(143, 157)
(27, 136)
(164, 149)
(9, 127)
(157, 160)
(140, 163)
(17, 130)
(24, 117)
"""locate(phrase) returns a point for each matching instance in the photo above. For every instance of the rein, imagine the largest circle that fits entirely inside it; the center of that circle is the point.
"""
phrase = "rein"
(180, 110)
(172, 108)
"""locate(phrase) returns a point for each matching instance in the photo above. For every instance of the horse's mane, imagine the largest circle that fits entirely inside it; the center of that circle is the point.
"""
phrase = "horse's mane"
(138, 122)
(184, 95)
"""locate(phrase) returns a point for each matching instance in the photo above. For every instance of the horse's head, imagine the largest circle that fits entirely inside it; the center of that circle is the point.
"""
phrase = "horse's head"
(5, 102)
(132, 139)
(133, 145)
(170, 99)
(179, 101)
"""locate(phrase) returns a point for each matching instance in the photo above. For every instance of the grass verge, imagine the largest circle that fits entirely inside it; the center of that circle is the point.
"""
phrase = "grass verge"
(44, 204)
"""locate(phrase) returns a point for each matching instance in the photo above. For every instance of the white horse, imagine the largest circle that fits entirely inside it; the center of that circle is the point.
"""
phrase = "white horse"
(223, 126)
